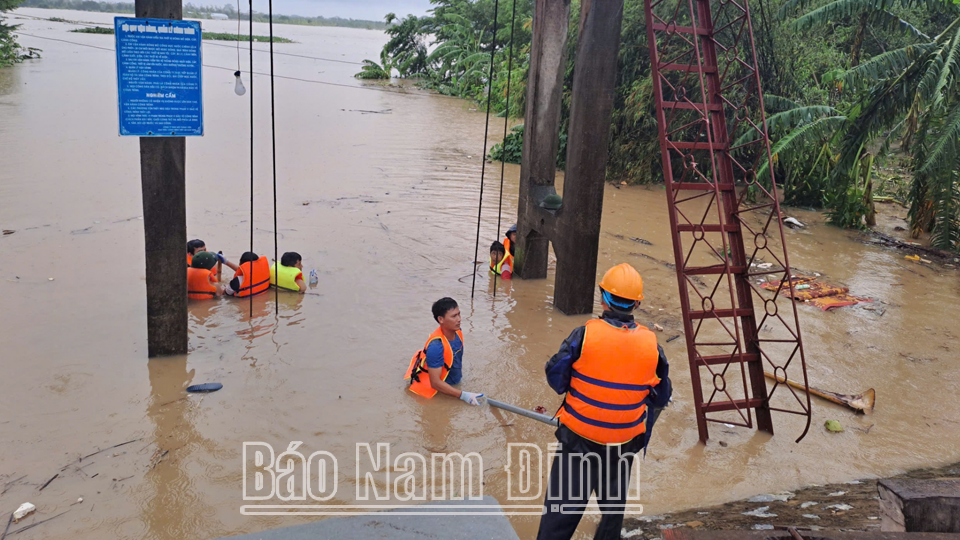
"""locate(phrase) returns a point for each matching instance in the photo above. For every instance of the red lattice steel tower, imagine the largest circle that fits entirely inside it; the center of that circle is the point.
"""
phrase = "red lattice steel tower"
(725, 217)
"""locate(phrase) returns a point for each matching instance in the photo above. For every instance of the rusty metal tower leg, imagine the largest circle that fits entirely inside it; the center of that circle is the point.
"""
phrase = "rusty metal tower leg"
(713, 139)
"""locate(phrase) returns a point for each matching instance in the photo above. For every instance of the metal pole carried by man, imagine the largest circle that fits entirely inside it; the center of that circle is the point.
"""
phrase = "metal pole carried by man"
(616, 378)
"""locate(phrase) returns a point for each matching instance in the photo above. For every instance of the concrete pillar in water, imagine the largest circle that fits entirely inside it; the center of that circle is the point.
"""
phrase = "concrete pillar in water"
(163, 176)
(594, 83)
(575, 228)
(541, 130)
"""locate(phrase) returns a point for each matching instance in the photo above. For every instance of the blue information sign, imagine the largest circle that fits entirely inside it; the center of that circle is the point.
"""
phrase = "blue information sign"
(159, 77)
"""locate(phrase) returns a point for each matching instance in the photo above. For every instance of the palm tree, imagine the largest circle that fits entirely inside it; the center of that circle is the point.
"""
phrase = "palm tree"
(866, 12)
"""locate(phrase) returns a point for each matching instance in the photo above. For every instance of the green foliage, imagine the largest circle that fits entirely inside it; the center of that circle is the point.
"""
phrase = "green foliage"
(407, 48)
(511, 149)
(10, 51)
(371, 70)
(213, 36)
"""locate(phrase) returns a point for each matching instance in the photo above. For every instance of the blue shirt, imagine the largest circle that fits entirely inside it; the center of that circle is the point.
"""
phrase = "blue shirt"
(435, 358)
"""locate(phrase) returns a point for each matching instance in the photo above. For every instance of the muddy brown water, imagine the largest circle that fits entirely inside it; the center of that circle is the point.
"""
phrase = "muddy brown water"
(390, 228)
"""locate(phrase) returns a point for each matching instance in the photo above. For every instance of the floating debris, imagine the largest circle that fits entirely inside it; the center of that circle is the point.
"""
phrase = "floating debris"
(840, 507)
(204, 388)
(837, 494)
(811, 516)
(23, 511)
(771, 497)
(760, 513)
(808, 504)
(762, 527)
(793, 223)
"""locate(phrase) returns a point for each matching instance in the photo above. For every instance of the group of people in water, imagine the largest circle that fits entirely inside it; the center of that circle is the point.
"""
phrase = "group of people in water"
(253, 275)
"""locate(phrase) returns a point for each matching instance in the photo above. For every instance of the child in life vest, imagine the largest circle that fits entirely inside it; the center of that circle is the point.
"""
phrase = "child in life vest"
(289, 274)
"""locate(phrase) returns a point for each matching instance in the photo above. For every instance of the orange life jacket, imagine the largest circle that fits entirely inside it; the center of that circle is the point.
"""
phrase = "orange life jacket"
(199, 286)
(607, 398)
(417, 372)
(256, 277)
(506, 246)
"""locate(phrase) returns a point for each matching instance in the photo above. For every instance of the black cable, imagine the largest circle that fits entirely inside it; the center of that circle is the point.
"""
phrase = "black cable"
(251, 153)
(273, 137)
(486, 132)
(506, 123)
(238, 35)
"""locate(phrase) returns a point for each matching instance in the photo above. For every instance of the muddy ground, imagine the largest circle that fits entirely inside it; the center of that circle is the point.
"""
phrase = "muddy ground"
(847, 506)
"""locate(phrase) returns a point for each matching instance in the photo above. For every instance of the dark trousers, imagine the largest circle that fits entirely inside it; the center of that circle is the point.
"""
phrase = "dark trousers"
(580, 469)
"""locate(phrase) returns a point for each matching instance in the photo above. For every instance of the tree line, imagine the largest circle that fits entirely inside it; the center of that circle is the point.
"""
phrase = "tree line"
(861, 95)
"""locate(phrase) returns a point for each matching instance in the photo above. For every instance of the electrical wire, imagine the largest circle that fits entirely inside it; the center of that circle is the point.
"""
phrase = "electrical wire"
(273, 136)
(486, 133)
(206, 42)
(251, 157)
(238, 35)
(286, 77)
(506, 123)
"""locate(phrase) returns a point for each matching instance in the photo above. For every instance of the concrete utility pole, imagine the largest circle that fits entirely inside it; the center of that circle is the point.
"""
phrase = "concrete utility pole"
(574, 229)
(163, 181)
(538, 168)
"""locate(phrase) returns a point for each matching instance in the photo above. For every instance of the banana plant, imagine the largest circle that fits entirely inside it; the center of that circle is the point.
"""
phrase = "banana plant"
(912, 93)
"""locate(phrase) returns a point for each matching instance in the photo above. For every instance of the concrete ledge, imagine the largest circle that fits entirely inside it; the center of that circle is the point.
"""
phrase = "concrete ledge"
(384, 525)
(911, 505)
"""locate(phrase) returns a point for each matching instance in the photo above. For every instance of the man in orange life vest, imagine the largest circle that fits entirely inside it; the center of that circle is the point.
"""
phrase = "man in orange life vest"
(615, 378)
(194, 247)
(438, 366)
(198, 246)
(203, 283)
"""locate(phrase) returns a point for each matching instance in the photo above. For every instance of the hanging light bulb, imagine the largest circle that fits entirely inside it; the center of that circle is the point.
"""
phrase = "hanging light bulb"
(239, 88)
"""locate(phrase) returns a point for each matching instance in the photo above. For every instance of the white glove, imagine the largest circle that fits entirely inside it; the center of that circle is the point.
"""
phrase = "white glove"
(470, 398)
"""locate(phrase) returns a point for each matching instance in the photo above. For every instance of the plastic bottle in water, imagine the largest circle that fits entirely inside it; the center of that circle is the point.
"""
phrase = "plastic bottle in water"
(313, 277)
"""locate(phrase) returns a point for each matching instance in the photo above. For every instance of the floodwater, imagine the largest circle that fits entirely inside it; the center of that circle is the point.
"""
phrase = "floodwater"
(384, 206)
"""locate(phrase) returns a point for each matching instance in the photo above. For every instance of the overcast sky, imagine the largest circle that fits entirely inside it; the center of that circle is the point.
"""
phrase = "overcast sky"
(349, 9)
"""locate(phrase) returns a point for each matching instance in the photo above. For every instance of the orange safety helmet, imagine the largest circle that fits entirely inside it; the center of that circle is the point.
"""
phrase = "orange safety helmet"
(624, 281)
